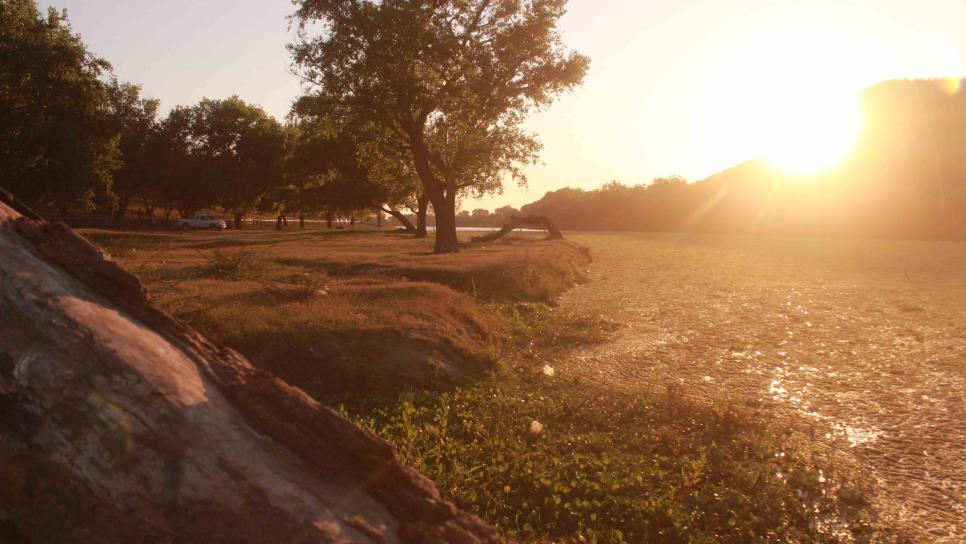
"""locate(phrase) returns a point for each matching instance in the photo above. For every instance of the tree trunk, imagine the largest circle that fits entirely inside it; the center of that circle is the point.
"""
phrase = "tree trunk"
(379, 218)
(238, 220)
(352, 220)
(120, 424)
(328, 220)
(120, 211)
(443, 198)
(444, 206)
(278, 223)
(148, 211)
(301, 220)
(423, 203)
(401, 217)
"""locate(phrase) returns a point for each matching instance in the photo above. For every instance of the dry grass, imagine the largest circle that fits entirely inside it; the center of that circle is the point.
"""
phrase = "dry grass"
(345, 314)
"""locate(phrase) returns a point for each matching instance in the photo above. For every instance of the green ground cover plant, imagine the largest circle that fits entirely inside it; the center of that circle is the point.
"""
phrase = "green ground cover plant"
(607, 467)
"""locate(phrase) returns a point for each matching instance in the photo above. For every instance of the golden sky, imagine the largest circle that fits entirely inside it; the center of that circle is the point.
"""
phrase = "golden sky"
(692, 88)
(675, 86)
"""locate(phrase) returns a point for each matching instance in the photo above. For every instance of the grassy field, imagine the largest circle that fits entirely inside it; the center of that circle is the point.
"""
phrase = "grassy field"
(444, 358)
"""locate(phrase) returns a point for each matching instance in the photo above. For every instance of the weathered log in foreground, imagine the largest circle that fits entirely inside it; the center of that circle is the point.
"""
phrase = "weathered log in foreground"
(117, 424)
(517, 222)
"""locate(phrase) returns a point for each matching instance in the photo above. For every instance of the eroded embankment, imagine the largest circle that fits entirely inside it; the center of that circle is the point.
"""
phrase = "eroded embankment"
(347, 314)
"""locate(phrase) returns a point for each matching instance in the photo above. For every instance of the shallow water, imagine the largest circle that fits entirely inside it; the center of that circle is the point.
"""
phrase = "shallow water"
(864, 341)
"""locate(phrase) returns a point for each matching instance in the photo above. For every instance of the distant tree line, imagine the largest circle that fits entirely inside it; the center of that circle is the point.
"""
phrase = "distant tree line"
(906, 178)
(484, 218)
(411, 105)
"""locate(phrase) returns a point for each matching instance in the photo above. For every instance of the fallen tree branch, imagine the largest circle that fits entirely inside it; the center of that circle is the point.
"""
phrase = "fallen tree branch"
(401, 217)
(520, 221)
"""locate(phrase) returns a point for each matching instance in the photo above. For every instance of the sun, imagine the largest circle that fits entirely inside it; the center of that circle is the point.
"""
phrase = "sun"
(789, 97)
(812, 134)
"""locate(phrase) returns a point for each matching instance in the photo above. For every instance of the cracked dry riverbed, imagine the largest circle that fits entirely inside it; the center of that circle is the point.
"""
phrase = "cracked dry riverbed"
(864, 340)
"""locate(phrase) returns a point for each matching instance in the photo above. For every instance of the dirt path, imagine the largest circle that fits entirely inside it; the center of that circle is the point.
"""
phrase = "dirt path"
(866, 339)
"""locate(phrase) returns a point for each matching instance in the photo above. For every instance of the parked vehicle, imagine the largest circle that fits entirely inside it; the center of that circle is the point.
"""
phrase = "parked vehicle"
(203, 222)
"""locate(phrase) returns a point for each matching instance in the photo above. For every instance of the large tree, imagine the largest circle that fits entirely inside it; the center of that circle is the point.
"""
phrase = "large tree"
(57, 143)
(184, 176)
(136, 123)
(452, 81)
(339, 166)
(244, 151)
(219, 152)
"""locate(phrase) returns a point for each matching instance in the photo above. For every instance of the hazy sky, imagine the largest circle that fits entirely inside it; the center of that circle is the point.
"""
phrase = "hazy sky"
(675, 86)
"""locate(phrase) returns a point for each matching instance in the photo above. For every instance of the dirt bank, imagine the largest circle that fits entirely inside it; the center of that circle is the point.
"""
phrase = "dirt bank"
(344, 314)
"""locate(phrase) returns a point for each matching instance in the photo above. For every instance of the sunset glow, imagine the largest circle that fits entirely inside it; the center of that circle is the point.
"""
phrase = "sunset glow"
(686, 87)
(813, 136)
(788, 95)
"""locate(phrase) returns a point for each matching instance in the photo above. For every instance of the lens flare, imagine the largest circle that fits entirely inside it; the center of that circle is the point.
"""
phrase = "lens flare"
(951, 85)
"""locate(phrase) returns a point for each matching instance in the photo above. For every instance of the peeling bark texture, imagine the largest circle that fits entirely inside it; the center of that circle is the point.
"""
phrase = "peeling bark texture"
(118, 424)
(553, 233)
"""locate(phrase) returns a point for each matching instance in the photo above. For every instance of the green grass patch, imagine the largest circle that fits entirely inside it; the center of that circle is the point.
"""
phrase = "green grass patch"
(539, 331)
(607, 467)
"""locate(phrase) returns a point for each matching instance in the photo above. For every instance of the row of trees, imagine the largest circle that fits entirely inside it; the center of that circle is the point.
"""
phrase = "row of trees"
(75, 138)
(410, 103)
(484, 218)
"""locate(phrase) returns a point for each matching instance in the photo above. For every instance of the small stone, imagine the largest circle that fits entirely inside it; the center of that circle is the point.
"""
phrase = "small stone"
(548, 371)
(536, 427)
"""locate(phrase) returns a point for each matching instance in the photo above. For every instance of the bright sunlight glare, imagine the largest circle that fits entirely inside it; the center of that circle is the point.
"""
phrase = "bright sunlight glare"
(813, 134)
(790, 96)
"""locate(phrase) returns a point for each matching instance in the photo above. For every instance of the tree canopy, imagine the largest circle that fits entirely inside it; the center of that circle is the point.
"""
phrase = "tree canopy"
(451, 81)
(57, 142)
(135, 121)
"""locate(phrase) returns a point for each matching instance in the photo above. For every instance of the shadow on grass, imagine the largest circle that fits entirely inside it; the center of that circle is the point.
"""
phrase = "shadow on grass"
(232, 243)
(356, 366)
(501, 281)
(108, 239)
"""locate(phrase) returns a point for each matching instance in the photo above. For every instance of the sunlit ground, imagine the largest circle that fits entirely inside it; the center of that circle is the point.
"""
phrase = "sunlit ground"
(860, 343)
